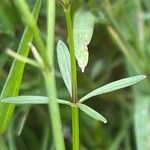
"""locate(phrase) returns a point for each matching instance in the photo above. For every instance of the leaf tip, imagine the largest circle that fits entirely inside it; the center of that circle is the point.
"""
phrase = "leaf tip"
(105, 121)
(60, 42)
(82, 69)
(144, 76)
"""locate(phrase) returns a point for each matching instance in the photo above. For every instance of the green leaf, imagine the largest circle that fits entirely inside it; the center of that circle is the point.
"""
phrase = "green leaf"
(116, 85)
(83, 30)
(31, 100)
(92, 113)
(2, 144)
(141, 117)
(12, 84)
(63, 58)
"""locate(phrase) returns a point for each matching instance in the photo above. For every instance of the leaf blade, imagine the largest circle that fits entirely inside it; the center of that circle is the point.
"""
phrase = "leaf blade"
(63, 58)
(92, 113)
(30, 99)
(83, 30)
(116, 85)
(11, 87)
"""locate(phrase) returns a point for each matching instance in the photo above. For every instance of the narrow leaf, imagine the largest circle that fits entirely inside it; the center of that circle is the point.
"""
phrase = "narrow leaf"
(22, 58)
(12, 84)
(116, 85)
(83, 30)
(31, 100)
(92, 113)
(63, 58)
(141, 117)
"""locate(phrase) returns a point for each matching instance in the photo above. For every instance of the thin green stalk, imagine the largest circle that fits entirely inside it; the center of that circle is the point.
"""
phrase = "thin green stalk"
(30, 21)
(72, 54)
(75, 127)
(75, 120)
(50, 79)
(54, 110)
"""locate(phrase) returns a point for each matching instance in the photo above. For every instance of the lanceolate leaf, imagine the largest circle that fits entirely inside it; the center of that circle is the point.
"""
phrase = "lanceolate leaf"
(92, 113)
(12, 84)
(83, 30)
(63, 57)
(31, 100)
(116, 85)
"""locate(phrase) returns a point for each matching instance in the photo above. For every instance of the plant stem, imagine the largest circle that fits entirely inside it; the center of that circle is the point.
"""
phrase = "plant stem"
(75, 118)
(54, 110)
(75, 127)
(30, 21)
(72, 54)
(50, 79)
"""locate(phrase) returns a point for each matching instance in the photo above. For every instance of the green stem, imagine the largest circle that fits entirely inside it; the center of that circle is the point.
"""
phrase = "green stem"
(30, 21)
(75, 127)
(75, 120)
(54, 110)
(72, 54)
(50, 79)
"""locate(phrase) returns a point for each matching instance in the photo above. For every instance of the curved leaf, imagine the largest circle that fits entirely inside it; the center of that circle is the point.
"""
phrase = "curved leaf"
(83, 30)
(116, 85)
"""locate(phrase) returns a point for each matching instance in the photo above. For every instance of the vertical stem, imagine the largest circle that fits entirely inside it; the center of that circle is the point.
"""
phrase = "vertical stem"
(75, 120)
(54, 110)
(72, 55)
(75, 127)
(50, 80)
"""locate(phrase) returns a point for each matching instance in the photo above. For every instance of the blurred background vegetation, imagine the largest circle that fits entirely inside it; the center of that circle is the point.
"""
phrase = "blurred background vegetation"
(30, 128)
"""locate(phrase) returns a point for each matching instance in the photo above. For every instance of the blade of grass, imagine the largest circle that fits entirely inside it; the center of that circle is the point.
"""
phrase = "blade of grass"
(141, 118)
(2, 144)
(11, 136)
(12, 84)
(31, 22)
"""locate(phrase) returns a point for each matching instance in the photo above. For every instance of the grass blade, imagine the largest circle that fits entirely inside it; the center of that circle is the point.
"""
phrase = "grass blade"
(12, 84)
(141, 118)
(2, 144)
(63, 58)
(31, 100)
(116, 85)
(92, 113)
(83, 30)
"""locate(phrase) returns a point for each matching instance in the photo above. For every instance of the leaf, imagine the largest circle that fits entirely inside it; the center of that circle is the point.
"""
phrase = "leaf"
(12, 84)
(141, 110)
(2, 144)
(92, 113)
(83, 30)
(116, 85)
(31, 100)
(63, 58)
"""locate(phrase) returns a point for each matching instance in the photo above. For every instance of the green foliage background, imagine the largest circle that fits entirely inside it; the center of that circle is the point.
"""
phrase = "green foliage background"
(106, 63)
